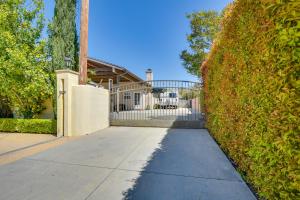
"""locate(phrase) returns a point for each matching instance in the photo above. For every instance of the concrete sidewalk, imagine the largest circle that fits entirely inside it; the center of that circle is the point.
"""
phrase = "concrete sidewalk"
(13, 141)
(127, 163)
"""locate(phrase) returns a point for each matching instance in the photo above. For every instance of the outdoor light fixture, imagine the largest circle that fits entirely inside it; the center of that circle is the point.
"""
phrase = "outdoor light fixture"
(68, 62)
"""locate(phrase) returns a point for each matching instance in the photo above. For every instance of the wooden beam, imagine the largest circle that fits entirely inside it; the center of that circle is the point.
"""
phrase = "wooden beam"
(102, 77)
(102, 70)
(104, 74)
(127, 78)
(83, 42)
(97, 77)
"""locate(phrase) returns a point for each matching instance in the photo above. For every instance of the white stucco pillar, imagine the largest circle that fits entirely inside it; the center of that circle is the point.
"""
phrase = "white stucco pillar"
(66, 79)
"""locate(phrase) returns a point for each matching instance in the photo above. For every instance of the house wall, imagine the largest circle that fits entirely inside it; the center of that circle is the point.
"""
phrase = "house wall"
(147, 100)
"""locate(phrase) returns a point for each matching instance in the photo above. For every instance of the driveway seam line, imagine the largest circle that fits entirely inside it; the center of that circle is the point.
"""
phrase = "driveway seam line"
(132, 170)
(179, 175)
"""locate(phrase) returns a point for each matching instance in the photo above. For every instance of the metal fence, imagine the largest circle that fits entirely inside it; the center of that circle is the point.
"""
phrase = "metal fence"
(162, 100)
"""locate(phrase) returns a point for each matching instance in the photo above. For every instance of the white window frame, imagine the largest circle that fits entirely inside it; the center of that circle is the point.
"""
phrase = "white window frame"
(127, 95)
(137, 103)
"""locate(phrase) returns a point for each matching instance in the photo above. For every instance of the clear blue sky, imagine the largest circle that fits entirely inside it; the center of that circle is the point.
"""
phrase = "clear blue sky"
(141, 34)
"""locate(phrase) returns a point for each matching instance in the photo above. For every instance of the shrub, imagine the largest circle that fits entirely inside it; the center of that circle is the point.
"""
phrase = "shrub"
(147, 107)
(156, 106)
(28, 125)
(252, 90)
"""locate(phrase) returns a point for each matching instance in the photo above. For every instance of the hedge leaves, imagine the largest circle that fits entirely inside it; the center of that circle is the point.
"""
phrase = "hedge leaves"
(252, 93)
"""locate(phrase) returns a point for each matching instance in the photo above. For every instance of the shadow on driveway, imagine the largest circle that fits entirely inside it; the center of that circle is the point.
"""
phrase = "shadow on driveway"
(187, 165)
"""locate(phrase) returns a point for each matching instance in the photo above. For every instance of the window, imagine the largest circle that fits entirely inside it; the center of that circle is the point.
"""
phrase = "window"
(172, 95)
(137, 99)
(127, 95)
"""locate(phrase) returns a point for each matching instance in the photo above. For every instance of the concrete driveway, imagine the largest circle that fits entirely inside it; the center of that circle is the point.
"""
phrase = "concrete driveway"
(127, 163)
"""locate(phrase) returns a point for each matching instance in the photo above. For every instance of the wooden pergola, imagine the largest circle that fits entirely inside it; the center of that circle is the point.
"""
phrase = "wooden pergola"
(101, 71)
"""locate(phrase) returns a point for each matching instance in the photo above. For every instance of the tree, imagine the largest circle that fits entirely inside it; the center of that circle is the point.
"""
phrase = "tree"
(63, 38)
(204, 25)
(156, 91)
(24, 80)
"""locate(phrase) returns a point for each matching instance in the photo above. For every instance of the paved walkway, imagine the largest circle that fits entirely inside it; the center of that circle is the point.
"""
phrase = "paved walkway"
(127, 163)
(12, 141)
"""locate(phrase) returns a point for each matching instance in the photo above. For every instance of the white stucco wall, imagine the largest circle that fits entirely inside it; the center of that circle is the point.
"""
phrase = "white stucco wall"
(90, 109)
(66, 79)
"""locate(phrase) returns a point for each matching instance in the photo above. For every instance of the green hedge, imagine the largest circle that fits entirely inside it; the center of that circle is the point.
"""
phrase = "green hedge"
(28, 125)
(252, 93)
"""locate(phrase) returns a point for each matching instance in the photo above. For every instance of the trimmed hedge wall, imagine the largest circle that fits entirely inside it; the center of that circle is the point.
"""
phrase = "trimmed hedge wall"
(28, 125)
(252, 93)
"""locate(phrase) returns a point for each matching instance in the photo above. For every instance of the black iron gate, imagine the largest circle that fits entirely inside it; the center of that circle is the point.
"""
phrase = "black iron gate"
(160, 103)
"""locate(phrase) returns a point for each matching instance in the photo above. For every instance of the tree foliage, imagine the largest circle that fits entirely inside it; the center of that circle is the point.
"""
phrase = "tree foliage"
(63, 40)
(24, 80)
(252, 93)
(204, 25)
(63, 36)
(5, 110)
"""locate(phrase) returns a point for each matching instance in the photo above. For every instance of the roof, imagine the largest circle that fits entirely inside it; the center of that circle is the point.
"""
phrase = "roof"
(100, 70)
